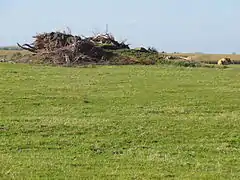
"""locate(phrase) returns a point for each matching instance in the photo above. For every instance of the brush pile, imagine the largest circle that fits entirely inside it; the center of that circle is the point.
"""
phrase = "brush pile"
(107, 41)
(63, 48)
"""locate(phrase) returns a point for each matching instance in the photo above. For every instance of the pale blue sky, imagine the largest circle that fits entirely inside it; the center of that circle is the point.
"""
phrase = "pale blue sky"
(210, 26)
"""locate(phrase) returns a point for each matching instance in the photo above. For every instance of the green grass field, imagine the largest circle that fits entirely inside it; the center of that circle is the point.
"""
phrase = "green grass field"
(119, 122)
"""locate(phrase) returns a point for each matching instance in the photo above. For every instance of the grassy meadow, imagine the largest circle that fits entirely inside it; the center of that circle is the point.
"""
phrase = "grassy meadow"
(119, 122)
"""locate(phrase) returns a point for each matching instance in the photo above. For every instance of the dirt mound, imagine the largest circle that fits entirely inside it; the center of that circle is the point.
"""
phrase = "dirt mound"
(62, 48)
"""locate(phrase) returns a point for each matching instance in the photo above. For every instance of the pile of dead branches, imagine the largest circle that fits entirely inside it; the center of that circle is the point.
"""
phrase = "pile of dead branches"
(50, 41)
(107, 41)
(63, 48)
(81, 52)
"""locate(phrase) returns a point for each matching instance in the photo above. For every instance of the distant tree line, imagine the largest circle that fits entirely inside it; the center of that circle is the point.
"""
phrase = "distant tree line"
(10, 48)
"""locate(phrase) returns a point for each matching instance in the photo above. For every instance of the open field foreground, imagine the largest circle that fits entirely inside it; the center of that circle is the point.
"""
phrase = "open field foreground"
(119, 122)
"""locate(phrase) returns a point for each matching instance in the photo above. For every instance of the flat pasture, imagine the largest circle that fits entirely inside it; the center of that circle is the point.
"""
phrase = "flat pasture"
(119, 122)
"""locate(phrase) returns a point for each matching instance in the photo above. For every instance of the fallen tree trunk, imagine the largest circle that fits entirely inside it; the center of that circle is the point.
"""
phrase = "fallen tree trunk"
(28, 48)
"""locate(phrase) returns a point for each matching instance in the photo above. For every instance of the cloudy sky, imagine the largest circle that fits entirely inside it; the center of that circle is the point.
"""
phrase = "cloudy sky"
(210, 26)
